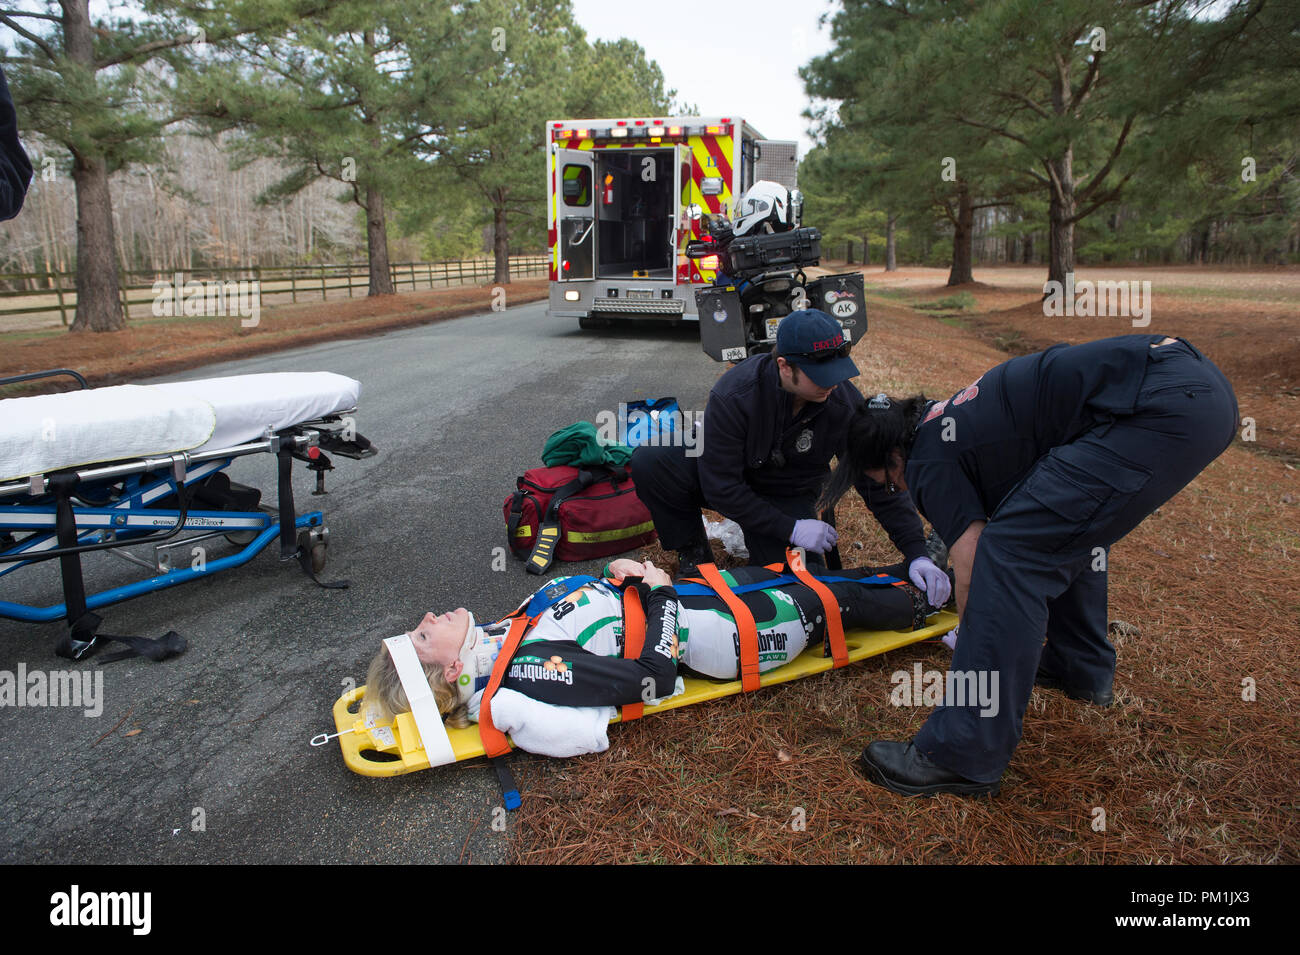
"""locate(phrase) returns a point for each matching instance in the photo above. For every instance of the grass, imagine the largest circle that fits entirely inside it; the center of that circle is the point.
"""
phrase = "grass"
(1185, 770)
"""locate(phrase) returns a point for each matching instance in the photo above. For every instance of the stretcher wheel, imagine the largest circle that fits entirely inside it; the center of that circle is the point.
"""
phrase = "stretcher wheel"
(315, 545)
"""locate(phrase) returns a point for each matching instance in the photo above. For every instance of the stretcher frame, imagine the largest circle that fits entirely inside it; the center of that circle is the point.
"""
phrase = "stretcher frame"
(398, 750)
(66, 526)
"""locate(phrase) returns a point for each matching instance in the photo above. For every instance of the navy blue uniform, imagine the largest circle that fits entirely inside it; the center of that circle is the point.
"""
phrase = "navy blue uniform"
(762, 466)
(15, 167)
(1062, 453)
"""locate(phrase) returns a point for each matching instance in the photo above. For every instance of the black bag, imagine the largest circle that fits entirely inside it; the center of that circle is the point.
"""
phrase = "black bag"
(757, 253)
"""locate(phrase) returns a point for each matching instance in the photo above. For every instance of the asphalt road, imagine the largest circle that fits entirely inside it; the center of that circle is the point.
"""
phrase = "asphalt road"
(457, 409)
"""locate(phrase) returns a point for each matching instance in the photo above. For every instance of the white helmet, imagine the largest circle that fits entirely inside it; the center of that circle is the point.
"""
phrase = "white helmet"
(764, 201)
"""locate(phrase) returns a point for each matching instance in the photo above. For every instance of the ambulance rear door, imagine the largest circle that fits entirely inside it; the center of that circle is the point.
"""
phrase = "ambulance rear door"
(576, 215)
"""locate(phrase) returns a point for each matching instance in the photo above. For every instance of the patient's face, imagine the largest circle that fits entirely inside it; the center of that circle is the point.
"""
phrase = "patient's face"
(438, 639)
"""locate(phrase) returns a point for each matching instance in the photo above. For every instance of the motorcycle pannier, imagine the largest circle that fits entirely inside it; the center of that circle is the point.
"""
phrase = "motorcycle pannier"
(841, 296)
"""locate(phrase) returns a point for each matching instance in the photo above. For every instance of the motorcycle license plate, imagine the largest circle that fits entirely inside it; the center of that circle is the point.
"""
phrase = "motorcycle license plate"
(771, 328)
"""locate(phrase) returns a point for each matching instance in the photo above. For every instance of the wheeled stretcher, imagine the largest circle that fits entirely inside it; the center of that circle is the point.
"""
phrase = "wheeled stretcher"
(140, 466)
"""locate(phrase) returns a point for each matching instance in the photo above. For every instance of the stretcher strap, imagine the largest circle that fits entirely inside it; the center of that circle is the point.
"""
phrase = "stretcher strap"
(696, 587)
(494, 741)
(746, 628)
(424, 707)
(830, 608)
(633, 641)
(548, 524)
(288, 517)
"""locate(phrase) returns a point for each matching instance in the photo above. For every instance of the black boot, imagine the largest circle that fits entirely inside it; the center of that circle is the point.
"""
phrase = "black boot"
(691, 556)
(902, 768)
(1101, 696)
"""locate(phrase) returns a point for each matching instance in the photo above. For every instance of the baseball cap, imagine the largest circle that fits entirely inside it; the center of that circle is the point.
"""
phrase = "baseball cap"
(813, 342)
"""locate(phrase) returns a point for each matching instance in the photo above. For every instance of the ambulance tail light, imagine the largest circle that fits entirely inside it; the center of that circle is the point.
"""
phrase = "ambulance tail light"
(708, 262)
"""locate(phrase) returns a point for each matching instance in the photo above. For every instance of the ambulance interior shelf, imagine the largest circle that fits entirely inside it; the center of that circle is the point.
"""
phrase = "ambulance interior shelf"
(634, 203)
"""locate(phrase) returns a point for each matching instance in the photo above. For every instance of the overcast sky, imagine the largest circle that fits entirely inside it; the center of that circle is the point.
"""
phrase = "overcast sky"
(728, 57)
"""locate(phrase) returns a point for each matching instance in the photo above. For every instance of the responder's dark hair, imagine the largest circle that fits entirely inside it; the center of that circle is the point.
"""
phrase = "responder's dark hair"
(794, 369)
(879, 426)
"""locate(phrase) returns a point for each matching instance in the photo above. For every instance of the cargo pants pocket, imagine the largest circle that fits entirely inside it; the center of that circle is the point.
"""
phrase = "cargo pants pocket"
(1077, 490)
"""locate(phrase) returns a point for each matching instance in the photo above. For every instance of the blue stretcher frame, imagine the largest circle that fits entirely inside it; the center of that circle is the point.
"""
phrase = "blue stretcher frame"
(269, 532)
(110, 506)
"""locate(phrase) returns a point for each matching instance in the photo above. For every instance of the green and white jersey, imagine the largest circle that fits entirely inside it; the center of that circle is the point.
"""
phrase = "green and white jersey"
(591, 617)
(711, 644)
(707, 642)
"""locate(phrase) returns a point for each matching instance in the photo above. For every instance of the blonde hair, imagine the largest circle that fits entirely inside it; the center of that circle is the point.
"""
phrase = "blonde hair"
(385, 697)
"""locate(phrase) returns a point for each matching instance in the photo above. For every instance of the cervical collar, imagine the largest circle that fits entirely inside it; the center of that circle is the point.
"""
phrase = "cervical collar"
(478, 654)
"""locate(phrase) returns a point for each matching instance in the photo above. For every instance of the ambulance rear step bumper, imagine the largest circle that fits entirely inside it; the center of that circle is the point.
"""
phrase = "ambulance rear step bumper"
(645, 307)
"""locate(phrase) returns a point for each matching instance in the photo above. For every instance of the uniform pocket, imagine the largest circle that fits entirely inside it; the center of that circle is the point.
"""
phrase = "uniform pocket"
(1080, 487)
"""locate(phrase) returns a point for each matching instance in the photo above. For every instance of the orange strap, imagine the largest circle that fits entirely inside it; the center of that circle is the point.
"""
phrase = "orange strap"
(830, 607)
(494, 741)
(746, 628)
(633, 641)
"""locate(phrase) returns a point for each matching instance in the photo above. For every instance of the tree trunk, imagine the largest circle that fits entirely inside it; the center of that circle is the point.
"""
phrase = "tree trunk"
(963, 233)
(866, 249)
(891, 257)
(848, 259)
(99, 297)
(1060, 259)
(381, 276)
(1027, 250)
(500, 247)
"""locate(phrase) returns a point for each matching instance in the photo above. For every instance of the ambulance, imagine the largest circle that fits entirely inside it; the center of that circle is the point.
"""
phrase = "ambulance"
(625, 196)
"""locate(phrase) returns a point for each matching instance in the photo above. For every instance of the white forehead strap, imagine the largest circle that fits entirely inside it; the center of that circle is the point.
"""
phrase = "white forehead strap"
(424, 708)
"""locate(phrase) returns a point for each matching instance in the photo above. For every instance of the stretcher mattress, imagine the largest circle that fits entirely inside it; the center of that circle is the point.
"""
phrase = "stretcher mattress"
(395, 749)
(45, 433)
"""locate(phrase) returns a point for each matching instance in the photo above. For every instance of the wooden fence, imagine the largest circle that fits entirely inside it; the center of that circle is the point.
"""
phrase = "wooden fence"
(56, 292)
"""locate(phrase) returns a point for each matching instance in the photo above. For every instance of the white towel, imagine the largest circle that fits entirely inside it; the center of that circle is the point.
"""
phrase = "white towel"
(44, 433)
(547, 729)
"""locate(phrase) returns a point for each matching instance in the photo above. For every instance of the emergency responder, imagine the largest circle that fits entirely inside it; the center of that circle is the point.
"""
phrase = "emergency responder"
(15, 167)
(770, 429)
(1029, 475)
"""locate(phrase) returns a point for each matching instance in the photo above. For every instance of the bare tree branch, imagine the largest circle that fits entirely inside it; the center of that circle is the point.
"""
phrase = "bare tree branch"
(29, 36)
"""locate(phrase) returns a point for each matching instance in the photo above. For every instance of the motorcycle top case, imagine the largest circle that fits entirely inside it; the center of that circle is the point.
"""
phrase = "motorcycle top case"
(601, 518)
(842, 297)
(756, 253)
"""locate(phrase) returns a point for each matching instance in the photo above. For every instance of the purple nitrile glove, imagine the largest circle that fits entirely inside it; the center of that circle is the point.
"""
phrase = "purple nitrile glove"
(816, 536)
(935, 583)
(950, 638)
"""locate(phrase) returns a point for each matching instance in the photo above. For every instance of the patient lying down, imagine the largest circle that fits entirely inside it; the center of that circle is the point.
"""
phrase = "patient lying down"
(568, 674)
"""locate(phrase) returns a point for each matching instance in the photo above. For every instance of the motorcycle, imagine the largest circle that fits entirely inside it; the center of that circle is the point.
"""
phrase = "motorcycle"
(759, 279)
